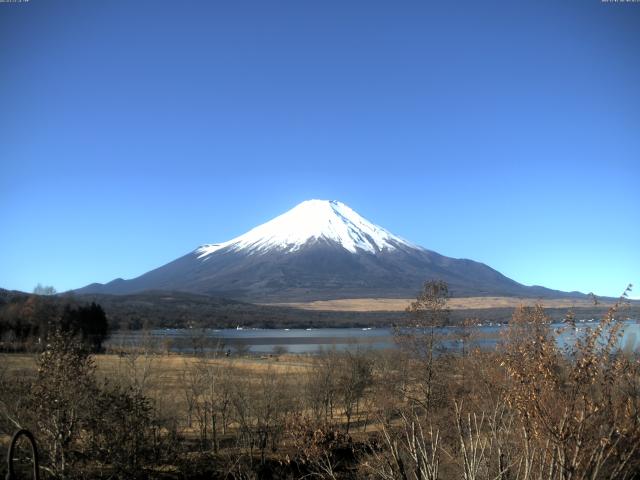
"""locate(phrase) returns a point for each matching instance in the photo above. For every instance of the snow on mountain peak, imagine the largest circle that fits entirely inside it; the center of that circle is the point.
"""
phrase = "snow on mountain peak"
(308, 221)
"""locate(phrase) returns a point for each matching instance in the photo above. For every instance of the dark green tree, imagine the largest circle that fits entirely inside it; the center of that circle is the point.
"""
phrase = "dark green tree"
(89, 322)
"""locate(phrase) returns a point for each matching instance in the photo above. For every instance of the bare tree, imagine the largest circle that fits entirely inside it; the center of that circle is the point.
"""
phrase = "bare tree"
(44, 290)
(62, 397)
(207, 393)
(354, 377)
(573, 403)
(321, 385)
(419, 335)
(408, 451)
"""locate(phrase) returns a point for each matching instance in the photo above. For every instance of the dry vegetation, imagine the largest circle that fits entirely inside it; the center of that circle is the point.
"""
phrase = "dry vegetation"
(463, 303)
(528, 410)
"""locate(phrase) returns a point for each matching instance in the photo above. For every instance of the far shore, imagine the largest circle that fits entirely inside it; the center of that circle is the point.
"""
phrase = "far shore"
(463, 303)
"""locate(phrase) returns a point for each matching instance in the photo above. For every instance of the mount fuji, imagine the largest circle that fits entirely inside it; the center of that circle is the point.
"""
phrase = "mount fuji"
(319, 250)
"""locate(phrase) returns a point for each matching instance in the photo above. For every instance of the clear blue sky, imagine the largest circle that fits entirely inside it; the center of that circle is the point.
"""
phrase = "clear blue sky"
(507, 132)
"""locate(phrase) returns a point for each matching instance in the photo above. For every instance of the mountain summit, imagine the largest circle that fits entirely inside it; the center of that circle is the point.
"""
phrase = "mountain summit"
(312, 221)
(319, 250)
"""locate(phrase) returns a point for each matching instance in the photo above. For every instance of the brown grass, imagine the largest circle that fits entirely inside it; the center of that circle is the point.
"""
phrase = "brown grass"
(165, 371)
(25, 363)
(400, 304)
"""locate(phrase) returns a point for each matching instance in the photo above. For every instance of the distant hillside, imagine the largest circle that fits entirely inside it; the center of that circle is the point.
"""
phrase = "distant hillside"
(180, 309)
(183, 310)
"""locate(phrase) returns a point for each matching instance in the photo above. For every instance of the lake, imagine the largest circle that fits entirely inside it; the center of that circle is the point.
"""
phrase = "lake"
(309, 341)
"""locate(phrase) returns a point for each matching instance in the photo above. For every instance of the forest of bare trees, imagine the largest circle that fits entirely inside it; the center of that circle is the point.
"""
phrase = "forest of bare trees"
(529, 409)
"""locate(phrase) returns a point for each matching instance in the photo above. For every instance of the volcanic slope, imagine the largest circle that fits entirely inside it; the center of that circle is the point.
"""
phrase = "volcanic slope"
(320, 250)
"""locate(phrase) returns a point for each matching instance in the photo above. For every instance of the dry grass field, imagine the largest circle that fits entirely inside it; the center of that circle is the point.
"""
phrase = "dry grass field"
(161, 376)
(162, 372)
(400, 304)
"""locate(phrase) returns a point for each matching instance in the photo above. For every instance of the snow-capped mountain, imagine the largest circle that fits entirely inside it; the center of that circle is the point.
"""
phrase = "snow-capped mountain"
(318, 250)
(310, 221)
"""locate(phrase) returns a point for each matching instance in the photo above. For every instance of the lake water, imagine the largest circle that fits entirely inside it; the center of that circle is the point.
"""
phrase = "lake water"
(264, 341)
